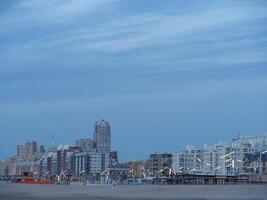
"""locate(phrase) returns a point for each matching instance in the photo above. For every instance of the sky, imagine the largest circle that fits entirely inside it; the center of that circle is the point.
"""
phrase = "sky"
(163, 73)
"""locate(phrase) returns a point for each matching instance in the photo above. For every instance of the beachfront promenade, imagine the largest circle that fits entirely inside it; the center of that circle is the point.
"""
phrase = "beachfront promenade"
(127, 192)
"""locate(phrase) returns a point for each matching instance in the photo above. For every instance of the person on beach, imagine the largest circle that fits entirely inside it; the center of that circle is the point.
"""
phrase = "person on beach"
(113, 184)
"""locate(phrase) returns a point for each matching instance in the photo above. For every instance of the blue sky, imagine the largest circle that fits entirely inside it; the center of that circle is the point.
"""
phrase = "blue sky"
(164, 73)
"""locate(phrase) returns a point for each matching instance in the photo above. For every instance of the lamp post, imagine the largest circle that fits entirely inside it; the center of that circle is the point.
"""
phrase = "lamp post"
(261, 167)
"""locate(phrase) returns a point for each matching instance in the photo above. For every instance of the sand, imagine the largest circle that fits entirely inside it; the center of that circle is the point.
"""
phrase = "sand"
(130, 192)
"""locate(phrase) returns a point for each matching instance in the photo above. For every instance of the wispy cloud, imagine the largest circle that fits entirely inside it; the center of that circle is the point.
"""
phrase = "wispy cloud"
(27, 14)
(156, 62)
(182, 39)
(134, 31)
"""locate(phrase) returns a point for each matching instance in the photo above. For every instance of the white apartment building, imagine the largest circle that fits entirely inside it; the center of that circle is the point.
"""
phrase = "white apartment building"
(177, 162)
(207, 160)
(189, 161)
(256, 141)
(226, 159)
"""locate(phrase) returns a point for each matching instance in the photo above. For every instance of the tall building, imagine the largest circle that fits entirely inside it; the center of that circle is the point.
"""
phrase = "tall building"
(26, 150)
(102, 136)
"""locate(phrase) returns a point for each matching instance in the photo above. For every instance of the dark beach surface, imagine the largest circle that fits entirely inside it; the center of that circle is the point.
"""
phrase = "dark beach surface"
(127, 192)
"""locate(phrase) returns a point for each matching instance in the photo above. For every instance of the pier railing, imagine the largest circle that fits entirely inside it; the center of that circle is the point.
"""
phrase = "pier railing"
(192, 179)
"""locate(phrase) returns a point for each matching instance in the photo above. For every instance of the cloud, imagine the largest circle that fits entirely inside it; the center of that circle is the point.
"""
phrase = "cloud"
(160, 28)
(162, 62)
(198, 37)
(135, 31)
(61, 10)
(27, 14)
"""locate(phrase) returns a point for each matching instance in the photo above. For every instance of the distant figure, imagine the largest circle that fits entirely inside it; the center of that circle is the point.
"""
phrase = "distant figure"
(113, 184)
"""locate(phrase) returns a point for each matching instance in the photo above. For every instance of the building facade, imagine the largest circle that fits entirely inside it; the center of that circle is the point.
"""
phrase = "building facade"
(230, 159)
(102, 136)
(138, 168)
(157, 162)
(188, 161)
(26, 150)
(91, 162)
(85, 144)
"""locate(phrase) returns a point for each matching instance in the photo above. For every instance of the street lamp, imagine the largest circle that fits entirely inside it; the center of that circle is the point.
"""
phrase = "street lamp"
(261, 162)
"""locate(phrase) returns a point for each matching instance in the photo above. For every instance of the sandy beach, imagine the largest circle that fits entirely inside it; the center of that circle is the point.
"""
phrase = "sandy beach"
(127, 192)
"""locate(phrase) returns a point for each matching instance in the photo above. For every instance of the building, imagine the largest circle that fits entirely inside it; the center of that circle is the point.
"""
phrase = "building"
(85, 144)
(22, 166)
(242, 155)
(82, 164)
(256, 141)
(90, 162)
(207, 160)
(48, 166)
(102, 136)
(222, 159)
(4, 167)
(99, 161)
(26, 150)
(189, 161)
(138, 168)
(229, 159)
(119, 173)
(73, 162)
(66, 159)
(265, 167)
(54, 165)
(41, 149)
(15, 166)
(62, 160)
(178, 162)
(251, 163)
(158, 162)
(113, 158)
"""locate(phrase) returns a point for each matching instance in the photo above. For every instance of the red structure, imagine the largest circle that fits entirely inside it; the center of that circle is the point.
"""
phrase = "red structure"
(28, 179)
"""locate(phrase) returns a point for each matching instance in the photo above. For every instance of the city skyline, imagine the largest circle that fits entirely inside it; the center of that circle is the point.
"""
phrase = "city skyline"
(82, 141)
(240, 161)
(164, 74)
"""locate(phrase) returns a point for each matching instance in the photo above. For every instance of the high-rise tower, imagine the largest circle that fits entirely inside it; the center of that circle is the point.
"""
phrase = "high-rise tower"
(26, 150)
(102, 136)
